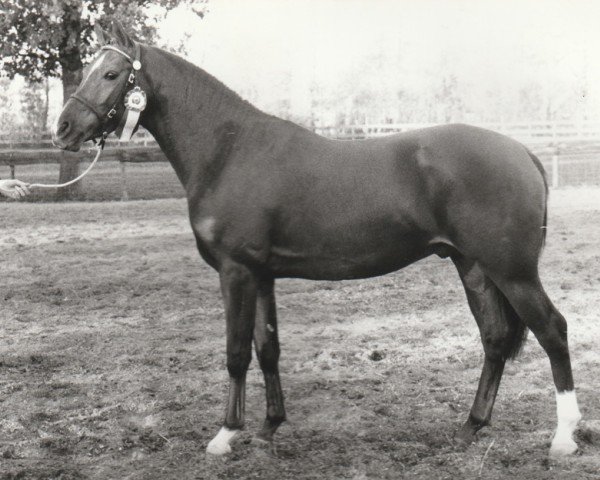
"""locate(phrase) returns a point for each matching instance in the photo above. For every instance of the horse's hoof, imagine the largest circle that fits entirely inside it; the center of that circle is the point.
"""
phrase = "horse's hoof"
(563, 448)
(264, 444)
(218, 449)
(465, 436)
(220, 444)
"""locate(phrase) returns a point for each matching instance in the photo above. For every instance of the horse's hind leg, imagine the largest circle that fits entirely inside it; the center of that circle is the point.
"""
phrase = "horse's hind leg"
(266, 343)
(502, 334)
(527, 296)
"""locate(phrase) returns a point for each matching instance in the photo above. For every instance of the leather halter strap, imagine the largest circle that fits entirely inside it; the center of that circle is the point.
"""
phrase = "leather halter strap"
(118, 50)
(91, 107)
(135, 65)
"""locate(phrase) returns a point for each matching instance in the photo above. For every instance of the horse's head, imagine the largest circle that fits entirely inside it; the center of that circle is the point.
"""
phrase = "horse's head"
(97, 107)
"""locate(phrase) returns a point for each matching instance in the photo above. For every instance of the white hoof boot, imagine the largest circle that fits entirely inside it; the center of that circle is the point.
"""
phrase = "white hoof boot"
(220, 444)
(562, 448)
(568, 418)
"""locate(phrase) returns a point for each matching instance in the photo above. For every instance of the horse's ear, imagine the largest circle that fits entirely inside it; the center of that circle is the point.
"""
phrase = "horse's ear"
(121, 36)
(102, 36)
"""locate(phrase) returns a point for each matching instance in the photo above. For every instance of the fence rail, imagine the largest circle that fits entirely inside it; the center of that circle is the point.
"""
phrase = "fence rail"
(532, 133)
(570, 152)
(130, 154)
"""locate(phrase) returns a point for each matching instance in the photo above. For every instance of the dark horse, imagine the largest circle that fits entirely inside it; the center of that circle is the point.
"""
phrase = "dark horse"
(269, 199)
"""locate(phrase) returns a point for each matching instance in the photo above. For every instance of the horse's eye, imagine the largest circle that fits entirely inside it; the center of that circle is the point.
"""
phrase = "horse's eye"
(110, 75)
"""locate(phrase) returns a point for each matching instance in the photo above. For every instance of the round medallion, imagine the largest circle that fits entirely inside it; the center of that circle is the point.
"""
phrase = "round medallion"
(136, 99)
(137, 65)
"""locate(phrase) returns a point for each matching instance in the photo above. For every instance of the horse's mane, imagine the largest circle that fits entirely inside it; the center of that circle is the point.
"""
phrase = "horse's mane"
(195, 74)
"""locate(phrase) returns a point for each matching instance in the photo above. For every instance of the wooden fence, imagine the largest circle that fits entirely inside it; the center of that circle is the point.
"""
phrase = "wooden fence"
(141, 149)
(570, 152)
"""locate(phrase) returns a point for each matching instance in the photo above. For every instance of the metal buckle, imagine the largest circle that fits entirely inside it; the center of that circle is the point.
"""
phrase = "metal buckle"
(131, 78)
(111, 113)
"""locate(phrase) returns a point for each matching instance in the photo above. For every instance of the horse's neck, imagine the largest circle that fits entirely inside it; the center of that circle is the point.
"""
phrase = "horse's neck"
(190, 112)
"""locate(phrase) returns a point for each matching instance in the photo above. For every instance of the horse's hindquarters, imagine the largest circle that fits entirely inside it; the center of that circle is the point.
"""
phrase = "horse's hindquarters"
(488, 197)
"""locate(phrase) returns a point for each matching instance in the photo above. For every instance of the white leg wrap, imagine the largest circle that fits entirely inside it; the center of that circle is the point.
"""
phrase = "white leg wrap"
(568, 415)
(220, 444)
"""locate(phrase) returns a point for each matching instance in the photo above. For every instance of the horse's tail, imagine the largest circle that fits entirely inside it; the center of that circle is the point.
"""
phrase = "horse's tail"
(518, 328)
(540, 167)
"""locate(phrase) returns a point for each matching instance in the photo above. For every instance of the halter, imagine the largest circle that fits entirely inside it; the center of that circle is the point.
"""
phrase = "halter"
(135, 103)
(134, 98)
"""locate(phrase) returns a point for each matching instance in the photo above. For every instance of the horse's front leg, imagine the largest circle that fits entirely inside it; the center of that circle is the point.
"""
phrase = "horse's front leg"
(266, 343)
(238, 286)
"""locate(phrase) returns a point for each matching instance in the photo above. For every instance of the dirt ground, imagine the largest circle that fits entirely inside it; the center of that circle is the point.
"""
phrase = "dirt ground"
(112, 359)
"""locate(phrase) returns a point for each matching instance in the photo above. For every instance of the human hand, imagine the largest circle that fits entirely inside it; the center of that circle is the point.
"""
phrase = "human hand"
(14, 188)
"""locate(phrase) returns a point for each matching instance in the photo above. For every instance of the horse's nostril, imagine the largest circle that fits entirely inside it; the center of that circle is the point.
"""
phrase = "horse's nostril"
(63, 128)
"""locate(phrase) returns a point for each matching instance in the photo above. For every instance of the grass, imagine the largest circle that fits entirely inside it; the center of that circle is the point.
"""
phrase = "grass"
(113, 358)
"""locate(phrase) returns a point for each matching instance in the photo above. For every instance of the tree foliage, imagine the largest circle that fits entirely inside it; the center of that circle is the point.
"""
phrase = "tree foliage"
(53, 38)
(34, 104)
(40, 39)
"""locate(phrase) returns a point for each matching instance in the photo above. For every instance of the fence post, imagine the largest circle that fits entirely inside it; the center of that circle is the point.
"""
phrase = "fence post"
(555, 181)
(12, 171)
(124, 193)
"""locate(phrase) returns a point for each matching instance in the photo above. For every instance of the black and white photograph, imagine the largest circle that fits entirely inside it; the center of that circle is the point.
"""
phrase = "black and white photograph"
(299, 239)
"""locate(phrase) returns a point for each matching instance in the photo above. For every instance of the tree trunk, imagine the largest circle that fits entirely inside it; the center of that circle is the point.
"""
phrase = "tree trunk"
(46, 106)
(70, 62)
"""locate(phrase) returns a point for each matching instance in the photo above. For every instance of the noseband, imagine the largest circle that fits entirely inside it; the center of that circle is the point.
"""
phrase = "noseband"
(135, 98)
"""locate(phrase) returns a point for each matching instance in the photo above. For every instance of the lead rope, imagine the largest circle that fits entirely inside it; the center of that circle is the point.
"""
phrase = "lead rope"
(99, 149)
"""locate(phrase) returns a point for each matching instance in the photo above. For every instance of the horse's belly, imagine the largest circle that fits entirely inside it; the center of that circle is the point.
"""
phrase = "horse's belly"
(333, 260)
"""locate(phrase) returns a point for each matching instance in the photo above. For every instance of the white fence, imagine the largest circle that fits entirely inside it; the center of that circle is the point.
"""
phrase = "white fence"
(531, 133)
